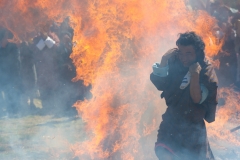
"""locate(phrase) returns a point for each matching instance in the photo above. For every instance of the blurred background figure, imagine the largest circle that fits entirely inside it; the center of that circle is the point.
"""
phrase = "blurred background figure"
(226, 32)
(69, 92)
(10, 82)
(44, 47)
(28, 77)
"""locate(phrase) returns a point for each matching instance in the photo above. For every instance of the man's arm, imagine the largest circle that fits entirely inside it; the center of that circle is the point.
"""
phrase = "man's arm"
(159, 76)
(195, 89)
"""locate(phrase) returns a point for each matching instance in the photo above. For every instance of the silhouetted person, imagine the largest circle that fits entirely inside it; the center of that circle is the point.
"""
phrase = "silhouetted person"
(45, 47)
(10, 83)
(28, 76)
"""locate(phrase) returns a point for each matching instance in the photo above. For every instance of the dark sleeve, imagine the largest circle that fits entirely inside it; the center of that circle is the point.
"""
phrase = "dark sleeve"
(160, 83)
(211, 101)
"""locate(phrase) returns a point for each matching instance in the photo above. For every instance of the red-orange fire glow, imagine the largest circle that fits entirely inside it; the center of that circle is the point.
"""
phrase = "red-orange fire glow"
(227, 116)
(134, 35)
(117, 43)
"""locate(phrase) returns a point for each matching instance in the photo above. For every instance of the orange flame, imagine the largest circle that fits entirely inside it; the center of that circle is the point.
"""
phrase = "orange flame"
(117, 42)
(132, 36)
(227, 116)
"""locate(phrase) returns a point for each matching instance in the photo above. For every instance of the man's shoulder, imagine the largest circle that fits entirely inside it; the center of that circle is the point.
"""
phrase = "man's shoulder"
(209, 72)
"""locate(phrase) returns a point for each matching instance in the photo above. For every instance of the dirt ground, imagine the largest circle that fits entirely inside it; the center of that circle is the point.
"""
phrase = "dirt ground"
(49, 137)
(39, 137)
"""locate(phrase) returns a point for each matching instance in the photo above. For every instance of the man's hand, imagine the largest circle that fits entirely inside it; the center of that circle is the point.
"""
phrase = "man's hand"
(168, 55)
(195, 90)
(195, 68)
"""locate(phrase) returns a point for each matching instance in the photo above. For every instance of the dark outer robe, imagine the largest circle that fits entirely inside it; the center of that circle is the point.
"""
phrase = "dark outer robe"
(46, 64)
(227, 72)
(27, 67)
(182, 128)
(9, 65)
(66, 66)
(10, 82)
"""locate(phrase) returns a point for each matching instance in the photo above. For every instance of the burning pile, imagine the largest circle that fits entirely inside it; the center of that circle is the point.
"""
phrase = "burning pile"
(116, 44)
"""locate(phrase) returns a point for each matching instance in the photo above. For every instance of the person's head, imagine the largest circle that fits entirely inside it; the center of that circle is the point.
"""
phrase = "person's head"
(44, 28)
(191, 48)
(65, 24)
(54, 27)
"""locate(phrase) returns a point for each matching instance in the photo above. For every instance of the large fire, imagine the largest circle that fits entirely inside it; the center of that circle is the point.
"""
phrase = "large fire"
(117, 41)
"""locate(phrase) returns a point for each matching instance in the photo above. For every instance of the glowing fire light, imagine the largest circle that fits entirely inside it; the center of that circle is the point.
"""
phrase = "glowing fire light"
(117, 42)
(228, 112)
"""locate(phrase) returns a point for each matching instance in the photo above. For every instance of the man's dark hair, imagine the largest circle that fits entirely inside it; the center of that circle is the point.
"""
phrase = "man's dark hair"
(191, 38)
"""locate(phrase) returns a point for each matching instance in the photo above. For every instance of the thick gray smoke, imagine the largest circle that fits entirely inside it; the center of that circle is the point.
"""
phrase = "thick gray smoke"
(40, 123)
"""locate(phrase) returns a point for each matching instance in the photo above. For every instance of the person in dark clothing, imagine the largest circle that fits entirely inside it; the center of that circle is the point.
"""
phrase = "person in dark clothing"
(227, 56)
(221, 12)
(9, 70)
(189, 86)
(69, 92)
(45, 48)
(65, 28)
(227, 71)
(67, 71)
(28, 75)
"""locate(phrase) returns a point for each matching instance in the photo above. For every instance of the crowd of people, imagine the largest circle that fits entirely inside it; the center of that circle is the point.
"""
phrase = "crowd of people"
(41, 68)
(227, 30)
(37, 75)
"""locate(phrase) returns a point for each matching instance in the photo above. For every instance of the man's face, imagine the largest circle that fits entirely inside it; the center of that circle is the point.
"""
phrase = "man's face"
(187, 55)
